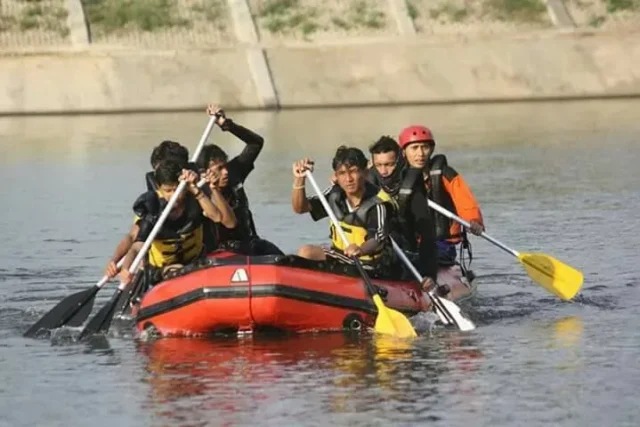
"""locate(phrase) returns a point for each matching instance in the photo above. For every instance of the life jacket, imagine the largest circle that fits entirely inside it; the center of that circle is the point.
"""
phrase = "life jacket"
(446, 229)
(400, 186)
(402, 197)
(239, 202)
(354, 224)
(179, 241)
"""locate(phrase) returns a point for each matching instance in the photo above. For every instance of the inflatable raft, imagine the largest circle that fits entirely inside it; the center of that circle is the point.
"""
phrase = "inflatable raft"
(231, 293)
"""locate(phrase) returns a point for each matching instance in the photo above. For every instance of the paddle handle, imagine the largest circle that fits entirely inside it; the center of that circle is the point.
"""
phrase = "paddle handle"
(172, 202)
(433, 205)
(105, 278)
(327, 208)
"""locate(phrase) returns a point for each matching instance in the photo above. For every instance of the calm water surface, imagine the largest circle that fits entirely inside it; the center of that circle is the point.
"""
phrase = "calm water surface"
(561, 178)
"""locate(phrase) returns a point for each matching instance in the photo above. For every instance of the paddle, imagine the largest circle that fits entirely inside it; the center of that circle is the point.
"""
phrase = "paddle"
(102, 320)
(448, 312)
(555, 276)
(388, 321)
(71, 311)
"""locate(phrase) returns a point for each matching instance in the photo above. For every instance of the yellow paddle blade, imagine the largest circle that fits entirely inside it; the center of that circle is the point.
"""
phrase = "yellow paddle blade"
(553, 275)
(392, 322)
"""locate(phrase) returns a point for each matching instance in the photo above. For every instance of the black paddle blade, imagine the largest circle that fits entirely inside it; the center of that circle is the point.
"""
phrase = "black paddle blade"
(132, 290)
(70, 308)
(123, 299)
(102, 320)
(82, 314)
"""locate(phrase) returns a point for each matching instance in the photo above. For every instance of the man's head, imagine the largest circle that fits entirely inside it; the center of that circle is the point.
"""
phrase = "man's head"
(167, 175)
(417, 145)
(169, 150)
(384, 155)
(350, 168)
(213, 156)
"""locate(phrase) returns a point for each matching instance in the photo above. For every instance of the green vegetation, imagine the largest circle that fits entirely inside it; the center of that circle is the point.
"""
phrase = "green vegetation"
(620, 5)
(34, 15)
(286, 16)
(517, 10)
(212, 10)
(290, 16)
(412, 10)
(146, 15)
(449, 11)
(363, 14)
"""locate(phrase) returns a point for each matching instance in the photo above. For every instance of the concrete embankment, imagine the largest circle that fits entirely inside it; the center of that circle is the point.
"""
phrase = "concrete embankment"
(548, 65)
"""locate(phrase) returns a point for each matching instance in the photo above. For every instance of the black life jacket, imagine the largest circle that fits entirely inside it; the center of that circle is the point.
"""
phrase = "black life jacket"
(438, 193)
(239, 202)
(400, 188)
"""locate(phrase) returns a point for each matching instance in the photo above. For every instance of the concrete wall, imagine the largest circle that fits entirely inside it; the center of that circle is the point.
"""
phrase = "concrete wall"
(552, 65)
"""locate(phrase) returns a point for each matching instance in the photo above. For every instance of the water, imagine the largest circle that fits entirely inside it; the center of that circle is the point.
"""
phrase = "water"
(561, 178)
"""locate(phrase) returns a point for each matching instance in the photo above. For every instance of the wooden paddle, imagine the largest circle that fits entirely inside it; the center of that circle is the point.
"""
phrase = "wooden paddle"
(388, 321)
(102, 320)
(555, 276)
(448, 312)
(71, 311)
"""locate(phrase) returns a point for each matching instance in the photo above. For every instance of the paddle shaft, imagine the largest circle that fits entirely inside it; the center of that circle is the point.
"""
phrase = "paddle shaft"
(461, 221)
(172, 201)
(340, 231)
(435, 300)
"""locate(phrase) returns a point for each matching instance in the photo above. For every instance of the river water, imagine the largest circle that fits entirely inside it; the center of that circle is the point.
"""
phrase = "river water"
(561, 178)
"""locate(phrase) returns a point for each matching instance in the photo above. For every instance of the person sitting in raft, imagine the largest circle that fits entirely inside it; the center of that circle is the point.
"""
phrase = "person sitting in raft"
(415, 222)
(360, 207)
(166, 150)
(242, 238)
(180, 240)
(444, 186)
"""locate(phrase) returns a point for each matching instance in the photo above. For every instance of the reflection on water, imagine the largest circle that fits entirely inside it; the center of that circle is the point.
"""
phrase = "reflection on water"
(340, 373)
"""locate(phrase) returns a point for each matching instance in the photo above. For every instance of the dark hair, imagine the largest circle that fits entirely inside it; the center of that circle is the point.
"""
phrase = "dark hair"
(169, 150)
(211, 153)
(385, 144)
(168, 172)
(349, 156)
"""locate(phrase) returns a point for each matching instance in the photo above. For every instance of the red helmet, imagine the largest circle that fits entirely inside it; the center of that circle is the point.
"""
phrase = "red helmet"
(413, 134)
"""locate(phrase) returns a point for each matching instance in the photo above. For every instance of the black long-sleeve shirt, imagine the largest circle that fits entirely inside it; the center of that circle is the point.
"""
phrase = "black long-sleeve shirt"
(239, 169)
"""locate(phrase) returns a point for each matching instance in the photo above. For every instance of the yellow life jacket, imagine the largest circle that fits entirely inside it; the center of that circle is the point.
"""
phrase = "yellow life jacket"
(181, 248)
(354, 223)
(178, 242)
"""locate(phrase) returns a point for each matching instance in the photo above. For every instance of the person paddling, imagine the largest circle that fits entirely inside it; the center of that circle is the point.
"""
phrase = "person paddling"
(242, 238)
(166, 150)
(445, 186)
(360, 207)
(180, 240)
(415, 222)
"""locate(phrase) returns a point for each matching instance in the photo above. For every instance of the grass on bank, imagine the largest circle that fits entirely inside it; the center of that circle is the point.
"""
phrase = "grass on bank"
(622, 5)
(36, 15)
(111, 16)
(291, 17)
(146, 15)
(502, 10)
(517, 10)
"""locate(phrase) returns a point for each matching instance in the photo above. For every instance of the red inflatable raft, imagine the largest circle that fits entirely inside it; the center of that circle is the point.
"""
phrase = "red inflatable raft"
(234, 293)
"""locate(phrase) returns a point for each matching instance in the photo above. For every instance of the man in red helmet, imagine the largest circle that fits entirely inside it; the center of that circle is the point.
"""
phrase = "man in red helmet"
(445, 186)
